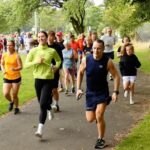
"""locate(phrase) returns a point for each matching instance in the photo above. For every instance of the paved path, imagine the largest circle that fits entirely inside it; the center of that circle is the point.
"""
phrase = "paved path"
(69, 129)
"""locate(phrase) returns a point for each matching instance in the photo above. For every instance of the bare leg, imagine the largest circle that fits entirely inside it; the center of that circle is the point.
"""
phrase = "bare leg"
(131, 93)
(100, 119)
(90, 116)
(6, 91)
(15, 90)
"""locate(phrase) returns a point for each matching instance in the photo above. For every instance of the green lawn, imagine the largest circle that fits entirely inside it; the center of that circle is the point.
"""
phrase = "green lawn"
(144, 57)
(139, 138)
(26, 90)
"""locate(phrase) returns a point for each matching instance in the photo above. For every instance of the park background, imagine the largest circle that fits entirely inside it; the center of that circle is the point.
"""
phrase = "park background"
(126, 17)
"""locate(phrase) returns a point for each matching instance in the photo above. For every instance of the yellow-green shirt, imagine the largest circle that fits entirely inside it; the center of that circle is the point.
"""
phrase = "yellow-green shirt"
(43, 70)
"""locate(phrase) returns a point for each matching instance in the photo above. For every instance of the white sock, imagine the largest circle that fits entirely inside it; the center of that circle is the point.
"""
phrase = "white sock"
(40, 127)
(131, 98)
(125, 93)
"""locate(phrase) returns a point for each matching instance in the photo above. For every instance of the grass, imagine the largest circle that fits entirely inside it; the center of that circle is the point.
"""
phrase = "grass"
(143, 54)
(139, 138)
(26, 92)
(144, 57)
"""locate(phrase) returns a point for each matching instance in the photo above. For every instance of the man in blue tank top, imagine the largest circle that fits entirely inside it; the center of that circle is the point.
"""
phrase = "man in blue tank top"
(97, 66)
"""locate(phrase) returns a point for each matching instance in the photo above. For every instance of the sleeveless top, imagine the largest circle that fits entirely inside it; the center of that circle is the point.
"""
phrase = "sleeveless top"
(67, 61)
(11, 62)
(96, 74)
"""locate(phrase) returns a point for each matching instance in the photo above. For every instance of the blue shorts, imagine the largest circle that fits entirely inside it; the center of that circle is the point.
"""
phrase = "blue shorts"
(95, 98)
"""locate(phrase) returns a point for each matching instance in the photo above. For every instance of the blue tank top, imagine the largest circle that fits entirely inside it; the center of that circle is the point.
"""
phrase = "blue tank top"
(96, 74)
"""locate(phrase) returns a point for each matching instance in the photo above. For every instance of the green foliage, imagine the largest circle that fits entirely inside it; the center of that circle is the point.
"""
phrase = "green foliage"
(138, 139)
(121, 16)
(93, 17)
(144, 57)
(75, 12)
(49, 19)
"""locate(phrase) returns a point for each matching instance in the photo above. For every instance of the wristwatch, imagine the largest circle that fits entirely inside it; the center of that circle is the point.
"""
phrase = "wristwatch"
(117, 92)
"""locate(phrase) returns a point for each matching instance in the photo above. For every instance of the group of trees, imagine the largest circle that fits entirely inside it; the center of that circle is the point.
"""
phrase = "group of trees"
(80, 15)
(127, 15)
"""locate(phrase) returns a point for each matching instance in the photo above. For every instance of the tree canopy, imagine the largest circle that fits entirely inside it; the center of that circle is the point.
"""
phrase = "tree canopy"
(22, 10)
(126, 15)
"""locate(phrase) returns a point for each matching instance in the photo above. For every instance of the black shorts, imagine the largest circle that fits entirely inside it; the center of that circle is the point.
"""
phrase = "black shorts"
(12, 81)
(56, 80)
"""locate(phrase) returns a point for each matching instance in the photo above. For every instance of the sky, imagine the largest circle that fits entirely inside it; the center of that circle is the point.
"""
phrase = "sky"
(98, 2)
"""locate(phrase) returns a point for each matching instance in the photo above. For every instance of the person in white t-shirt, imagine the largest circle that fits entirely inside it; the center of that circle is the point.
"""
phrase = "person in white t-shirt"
(109, 41)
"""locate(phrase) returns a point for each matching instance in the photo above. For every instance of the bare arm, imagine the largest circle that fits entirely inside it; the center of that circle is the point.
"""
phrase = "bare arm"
(116, 76)
(3, 64)
(81, 73)
(80, 78)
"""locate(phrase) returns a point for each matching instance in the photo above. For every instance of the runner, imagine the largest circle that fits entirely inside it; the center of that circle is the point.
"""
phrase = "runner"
(125, 41)
(68, 66)
(129, 64)
(40, 58)
(11, 65)
(97, 66)
(109, 41)
(54, 45)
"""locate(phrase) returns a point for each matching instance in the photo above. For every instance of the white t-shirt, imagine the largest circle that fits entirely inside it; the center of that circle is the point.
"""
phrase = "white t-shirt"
(109, 41)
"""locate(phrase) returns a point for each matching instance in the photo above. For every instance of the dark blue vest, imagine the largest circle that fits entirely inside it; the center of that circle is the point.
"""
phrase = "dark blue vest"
(96, 74)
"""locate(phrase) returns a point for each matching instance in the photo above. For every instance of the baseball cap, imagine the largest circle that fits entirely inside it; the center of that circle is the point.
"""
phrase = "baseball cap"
(59, 33)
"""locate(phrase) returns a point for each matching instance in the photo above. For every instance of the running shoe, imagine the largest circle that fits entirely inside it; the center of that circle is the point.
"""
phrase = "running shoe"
(60, 90)
(11, 104)
(16, 111)
(73, 90)
(38, 134)
(55, 108)
(100, 144)
(50, 114)
(66, 92)
(110, 78)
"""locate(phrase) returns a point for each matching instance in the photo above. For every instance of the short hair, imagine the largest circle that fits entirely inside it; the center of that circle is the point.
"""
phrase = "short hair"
(51, 33)
(100, 41)
(72, 36)
(45, 33)
(131, 46)
(66, 42)
(95, 33)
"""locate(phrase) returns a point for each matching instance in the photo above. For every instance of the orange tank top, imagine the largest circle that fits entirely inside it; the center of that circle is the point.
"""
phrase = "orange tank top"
(11, 62)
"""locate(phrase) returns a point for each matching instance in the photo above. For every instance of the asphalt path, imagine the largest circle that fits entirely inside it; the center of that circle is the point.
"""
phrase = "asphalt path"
(69, 129)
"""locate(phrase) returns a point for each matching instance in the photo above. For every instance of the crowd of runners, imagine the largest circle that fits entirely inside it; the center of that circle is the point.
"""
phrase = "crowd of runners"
(59, 61)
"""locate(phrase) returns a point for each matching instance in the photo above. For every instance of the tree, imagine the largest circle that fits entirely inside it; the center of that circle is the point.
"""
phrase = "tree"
(48, 17)
(75, 12)
(21, 11)
(122, 16)
(93, 17)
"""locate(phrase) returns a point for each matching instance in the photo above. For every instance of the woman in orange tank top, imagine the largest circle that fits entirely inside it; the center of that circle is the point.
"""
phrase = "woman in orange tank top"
(11, 65)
